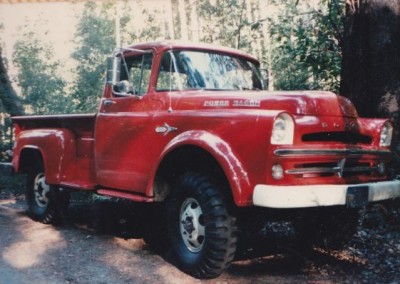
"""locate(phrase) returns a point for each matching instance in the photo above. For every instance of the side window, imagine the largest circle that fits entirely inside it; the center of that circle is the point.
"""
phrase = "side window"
(170, 76)
(137, 70)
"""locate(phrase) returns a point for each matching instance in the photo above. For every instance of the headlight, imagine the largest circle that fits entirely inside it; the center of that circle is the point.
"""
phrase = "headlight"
(282, 130)
(386, 135)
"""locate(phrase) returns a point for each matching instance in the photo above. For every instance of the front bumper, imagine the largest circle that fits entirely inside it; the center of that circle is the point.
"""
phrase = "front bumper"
(303, 196)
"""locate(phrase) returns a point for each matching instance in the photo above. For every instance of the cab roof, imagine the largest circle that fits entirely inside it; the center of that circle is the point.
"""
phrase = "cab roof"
(161, 46)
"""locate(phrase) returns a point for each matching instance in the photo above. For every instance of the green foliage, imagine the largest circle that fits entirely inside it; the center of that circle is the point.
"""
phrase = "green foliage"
(224, 21)
(299, 42)
(41, 87)
(95, 38)
(233, 23)
(305, 46)
(150, 30)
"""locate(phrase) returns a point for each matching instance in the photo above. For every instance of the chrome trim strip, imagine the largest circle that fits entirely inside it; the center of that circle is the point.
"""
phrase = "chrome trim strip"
(329, 152)
(313, 171)
(322, 170)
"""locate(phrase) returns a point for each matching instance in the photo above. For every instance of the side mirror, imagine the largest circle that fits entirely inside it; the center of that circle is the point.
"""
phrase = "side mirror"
(124, 88)
(113, 70)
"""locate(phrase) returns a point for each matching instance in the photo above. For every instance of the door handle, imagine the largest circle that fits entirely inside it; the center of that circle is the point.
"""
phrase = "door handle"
(108, 102)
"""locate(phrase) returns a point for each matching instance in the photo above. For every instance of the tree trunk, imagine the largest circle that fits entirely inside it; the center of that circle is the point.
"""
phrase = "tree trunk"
(194, 21)
(9, 99)
(183, 20)
(371, 57)
(169, 20)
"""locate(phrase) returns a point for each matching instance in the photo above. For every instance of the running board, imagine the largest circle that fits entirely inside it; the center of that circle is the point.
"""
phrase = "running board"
(124, 195)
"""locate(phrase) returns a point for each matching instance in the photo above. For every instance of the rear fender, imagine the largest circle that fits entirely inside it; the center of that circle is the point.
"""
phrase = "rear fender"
(56, 147)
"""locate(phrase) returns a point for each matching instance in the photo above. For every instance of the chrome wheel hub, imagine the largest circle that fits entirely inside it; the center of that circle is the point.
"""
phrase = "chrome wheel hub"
(41, 190)
(192, 225)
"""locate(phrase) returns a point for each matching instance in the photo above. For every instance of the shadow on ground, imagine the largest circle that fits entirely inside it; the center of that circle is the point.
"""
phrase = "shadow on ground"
(278, 254)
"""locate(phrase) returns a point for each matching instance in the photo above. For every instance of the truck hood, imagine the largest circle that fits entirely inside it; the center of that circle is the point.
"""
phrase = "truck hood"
(315, 103)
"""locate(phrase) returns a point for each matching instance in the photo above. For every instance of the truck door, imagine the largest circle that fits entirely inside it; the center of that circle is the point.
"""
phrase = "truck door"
(122, 128)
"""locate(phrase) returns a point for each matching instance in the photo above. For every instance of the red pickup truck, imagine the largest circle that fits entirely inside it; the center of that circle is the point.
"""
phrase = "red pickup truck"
(193, 128)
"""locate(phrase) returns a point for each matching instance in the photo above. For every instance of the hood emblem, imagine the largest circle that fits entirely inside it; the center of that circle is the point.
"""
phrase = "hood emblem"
(165, 129)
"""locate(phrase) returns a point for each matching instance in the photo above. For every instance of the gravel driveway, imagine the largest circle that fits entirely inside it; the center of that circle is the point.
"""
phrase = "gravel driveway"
(102, 244)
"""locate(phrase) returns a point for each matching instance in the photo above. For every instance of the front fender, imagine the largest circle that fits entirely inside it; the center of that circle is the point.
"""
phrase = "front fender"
(235, 171)
(57, 149)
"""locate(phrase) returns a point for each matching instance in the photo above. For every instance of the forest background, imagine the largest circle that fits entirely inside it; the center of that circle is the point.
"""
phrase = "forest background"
(348, 47)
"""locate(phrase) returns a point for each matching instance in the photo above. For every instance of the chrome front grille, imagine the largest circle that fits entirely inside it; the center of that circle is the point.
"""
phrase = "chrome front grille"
(302, 163)
(341, 169)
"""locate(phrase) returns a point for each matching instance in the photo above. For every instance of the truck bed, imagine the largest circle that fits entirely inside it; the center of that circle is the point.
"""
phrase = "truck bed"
(83, 122)
(74, 160)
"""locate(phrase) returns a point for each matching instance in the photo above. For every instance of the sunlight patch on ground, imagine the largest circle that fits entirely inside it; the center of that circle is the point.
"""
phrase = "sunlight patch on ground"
(130, 244)
(7, 202)
(343, 255)
(35, 240)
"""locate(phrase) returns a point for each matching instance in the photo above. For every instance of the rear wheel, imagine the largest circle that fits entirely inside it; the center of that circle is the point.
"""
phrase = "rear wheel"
(201, 229)
(46, 203)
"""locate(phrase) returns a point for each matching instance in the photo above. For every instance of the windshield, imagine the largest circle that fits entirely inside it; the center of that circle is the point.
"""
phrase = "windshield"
(188, 70)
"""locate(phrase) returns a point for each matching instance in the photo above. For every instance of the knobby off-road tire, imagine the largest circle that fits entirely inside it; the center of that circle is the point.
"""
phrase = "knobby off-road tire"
(330, 228)
(201, 229)
(46, 204)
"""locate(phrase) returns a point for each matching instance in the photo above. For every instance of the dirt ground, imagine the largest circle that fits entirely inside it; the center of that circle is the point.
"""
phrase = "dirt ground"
(102, 244)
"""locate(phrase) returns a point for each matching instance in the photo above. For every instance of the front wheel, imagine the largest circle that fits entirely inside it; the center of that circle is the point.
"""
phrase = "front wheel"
(201, 229)
(46, 204)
